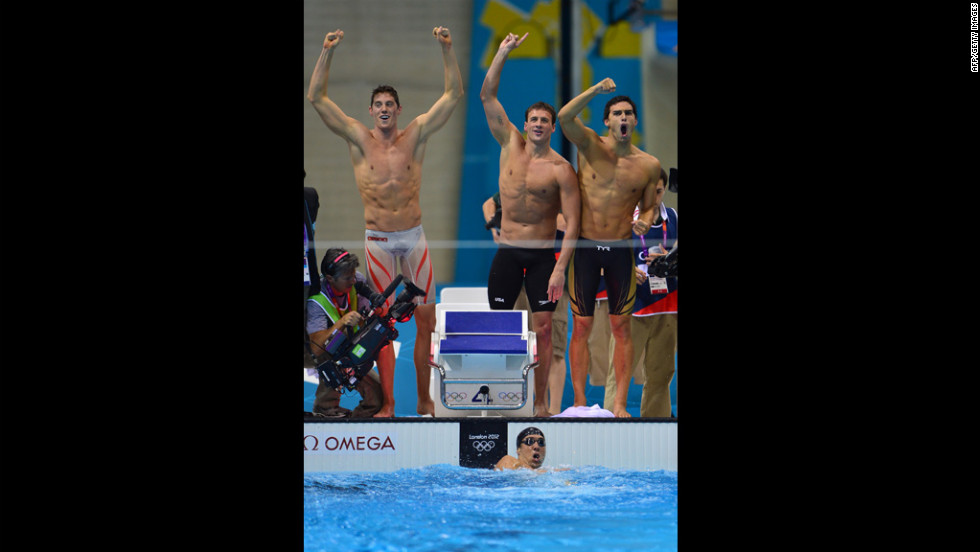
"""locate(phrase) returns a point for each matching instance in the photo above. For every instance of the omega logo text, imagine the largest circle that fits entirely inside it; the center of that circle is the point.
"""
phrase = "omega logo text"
(348, 443)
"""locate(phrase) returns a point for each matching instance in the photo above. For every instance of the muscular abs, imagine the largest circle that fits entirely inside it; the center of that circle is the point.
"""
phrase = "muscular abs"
(610, 187)
(389, 179)
(529, 198)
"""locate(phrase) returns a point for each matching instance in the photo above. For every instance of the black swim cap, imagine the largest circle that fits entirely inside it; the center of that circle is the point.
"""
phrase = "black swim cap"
(528, 431)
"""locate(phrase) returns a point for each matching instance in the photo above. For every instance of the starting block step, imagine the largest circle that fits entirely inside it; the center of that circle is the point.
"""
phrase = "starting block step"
(483, 344)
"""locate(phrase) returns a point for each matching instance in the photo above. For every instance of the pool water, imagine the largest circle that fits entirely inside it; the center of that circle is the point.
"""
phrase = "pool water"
(445, 508)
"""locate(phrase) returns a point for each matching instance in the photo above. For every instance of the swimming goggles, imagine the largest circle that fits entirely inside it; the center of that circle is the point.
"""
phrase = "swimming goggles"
(530, 441)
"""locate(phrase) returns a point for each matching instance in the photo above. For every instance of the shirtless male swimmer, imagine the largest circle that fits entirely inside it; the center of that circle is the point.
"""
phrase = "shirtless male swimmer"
(536, 183)
(530, 451)
(614, 177)
(388, 171)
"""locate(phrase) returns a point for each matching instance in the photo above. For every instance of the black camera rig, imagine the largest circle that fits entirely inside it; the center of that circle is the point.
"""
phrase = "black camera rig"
(348, 359)
(664, 266)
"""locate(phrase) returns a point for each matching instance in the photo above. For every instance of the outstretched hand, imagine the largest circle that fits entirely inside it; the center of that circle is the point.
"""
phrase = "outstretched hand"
(333, 39)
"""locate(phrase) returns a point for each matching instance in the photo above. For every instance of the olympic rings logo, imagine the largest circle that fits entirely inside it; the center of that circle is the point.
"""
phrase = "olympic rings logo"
(452, 395)
(483, 446)
(510, 395)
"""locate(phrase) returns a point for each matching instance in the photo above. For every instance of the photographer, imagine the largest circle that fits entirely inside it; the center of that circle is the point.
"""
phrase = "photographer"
(654, 327)
(335, 309)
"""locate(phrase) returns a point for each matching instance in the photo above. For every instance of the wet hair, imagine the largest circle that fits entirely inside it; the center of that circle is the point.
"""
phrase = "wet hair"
(337, 262)
(382, 89)
(528, 431)
(617, 99)
(541, 105)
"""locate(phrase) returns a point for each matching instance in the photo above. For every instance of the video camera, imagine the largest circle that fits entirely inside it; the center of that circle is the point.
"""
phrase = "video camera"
(350, 359)
(664, 266)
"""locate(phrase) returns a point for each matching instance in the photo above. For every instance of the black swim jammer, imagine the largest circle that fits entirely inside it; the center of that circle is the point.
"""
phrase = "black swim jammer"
(611, 260)
(514, 267)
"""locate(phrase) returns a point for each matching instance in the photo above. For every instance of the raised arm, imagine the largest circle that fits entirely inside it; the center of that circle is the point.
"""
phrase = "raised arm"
(570, 210)
(439, 113)
(332, 115)
(500, 125)
(571, 126)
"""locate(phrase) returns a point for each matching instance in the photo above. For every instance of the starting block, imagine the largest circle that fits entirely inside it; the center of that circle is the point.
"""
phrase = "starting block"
(482, 360)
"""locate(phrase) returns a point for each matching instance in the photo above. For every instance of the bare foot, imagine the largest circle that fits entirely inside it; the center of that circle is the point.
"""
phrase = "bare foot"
(386, 412)
(621, 413)
(541, 412)
(426, 406)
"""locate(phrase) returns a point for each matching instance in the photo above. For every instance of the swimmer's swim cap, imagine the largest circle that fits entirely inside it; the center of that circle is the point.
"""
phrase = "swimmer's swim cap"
(528, 431)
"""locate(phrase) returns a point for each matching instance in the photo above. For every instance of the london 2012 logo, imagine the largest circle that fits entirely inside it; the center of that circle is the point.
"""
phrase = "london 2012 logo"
(484, 442)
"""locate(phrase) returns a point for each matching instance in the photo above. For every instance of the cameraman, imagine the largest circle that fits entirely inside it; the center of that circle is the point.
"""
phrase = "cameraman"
(334, 309)
(654, 323)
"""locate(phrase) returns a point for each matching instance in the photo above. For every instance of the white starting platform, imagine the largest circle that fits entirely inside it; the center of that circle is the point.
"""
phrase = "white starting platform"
(482, 360)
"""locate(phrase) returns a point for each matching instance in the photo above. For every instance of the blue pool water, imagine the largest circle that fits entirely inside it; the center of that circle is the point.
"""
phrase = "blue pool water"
(447, 508)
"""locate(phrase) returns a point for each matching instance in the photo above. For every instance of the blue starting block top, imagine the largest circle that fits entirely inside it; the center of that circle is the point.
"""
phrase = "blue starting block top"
(483, 332)
(484, 322)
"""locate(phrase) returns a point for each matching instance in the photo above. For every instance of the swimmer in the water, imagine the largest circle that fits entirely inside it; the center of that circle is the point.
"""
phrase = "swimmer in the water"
(530, 451)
